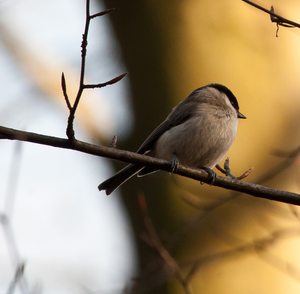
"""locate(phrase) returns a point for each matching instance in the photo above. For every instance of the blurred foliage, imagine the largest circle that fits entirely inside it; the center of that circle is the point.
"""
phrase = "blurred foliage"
(172, 47)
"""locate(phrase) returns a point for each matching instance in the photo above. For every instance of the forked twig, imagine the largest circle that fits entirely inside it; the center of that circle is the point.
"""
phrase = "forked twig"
(276, 18)
(82, 86)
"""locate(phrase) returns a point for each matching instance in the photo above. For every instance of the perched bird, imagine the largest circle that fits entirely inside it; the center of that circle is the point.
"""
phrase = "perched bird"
(197, 133)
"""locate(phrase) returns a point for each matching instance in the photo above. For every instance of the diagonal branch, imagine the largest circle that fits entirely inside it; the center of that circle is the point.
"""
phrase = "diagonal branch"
(132, 157)
(274, 16)
(153, 240)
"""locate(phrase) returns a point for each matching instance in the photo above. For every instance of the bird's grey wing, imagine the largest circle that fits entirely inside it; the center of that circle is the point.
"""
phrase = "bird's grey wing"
(153, 137)
(179, 115)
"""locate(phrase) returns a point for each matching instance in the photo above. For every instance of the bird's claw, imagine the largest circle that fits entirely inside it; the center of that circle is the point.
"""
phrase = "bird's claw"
(228, 170)
(211, 175)
(174, 163)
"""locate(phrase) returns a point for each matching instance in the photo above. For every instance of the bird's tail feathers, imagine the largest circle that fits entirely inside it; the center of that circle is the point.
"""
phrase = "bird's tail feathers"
(119, 178)
(147, 170)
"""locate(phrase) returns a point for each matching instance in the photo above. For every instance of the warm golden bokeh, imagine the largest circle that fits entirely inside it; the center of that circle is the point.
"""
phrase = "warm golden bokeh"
(232, 43)
(235, 44)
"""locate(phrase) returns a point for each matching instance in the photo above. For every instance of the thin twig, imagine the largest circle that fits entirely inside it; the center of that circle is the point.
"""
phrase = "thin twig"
(70, 128)
(5, 221)
(64, 89)
(14, 252)
(275, 17)
(84, 42)
(110, 82)
(132, 157)
(102, 13)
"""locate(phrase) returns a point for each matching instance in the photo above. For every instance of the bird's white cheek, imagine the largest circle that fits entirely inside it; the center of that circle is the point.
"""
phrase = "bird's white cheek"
(229, 128)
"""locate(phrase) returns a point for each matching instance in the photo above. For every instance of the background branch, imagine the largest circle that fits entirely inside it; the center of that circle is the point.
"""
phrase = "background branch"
(258, 246)
(274, 16)
(152, 238)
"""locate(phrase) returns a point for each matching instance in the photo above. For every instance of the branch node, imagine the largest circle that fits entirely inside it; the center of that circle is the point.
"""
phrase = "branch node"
(70, 129)
(84, 44)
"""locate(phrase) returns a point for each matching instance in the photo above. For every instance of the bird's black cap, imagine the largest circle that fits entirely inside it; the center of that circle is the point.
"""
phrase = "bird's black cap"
(230, 96)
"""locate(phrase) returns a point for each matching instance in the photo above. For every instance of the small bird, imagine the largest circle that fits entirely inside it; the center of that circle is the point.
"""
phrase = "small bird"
(197, 133)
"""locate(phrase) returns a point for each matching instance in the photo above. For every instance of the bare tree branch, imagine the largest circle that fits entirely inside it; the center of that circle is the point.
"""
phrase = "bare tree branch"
(279, 20)
(132, 157)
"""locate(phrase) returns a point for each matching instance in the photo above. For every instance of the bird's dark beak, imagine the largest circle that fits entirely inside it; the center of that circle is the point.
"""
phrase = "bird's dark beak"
(240, 115)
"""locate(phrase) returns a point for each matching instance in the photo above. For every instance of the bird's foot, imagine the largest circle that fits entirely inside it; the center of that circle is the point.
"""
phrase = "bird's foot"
(174, 163)
(227, 171)
(211, 175)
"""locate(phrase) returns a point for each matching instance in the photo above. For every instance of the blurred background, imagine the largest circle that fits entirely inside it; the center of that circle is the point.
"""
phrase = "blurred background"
(73, 239)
